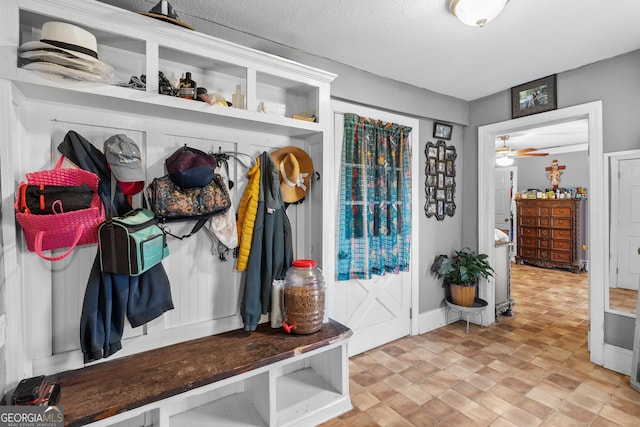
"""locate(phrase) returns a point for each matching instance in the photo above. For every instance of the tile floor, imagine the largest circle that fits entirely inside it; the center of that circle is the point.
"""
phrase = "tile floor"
(531, 369)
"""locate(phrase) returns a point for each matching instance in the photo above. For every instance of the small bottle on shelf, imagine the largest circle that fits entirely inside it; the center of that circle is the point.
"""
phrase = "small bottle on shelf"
(188, 87)
(237, 99)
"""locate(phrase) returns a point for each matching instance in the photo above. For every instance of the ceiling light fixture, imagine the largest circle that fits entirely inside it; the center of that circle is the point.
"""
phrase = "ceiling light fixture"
(504, 161)
(476, 12)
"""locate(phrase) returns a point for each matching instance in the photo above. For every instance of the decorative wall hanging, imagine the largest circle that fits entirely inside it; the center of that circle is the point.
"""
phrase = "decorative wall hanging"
(440, 184)
(553, 172)
(534, 97)
(442, 130)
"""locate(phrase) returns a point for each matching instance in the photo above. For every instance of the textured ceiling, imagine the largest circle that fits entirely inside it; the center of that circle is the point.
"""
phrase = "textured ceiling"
(421, 43)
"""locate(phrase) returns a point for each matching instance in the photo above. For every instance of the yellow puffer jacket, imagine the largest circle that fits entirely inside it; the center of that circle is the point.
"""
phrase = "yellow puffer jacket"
(247, 210)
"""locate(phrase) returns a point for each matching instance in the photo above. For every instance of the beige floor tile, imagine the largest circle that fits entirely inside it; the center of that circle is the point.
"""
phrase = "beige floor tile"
(618, 416)
(532, 369)
(521, 417)
(494, 403)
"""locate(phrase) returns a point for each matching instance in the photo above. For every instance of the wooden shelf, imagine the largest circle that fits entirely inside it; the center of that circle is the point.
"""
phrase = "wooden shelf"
(99, 391)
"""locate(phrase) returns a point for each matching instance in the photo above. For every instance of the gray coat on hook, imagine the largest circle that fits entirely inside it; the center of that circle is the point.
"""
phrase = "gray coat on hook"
(271, 252)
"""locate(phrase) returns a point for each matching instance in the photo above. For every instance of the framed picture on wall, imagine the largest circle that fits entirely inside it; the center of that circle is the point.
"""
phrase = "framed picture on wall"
(440, 183)
(442, 130)
(534, 97)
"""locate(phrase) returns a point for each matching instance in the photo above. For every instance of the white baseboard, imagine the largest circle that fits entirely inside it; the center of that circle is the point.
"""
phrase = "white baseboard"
(431, 320)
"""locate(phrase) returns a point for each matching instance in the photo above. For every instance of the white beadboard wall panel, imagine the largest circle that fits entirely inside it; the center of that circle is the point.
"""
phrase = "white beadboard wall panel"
(206, 291)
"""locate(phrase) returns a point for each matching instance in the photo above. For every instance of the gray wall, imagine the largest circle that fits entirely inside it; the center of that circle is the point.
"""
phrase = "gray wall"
(361, 87)
(532, 174)
(614, 81)
(437, 236)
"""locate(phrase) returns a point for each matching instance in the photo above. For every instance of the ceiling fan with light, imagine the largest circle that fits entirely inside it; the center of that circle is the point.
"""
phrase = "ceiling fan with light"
(504, 154)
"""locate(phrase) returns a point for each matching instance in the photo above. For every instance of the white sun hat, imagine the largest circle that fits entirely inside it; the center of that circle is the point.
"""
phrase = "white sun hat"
(61, 36)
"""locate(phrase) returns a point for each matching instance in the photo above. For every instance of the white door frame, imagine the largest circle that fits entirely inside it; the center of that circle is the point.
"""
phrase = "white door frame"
(514, 186)
(597, 208)
(612, 165)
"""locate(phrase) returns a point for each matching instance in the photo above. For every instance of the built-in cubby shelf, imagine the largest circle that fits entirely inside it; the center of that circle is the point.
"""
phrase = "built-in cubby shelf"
(263, 378)
(274, 89)
(293, 380)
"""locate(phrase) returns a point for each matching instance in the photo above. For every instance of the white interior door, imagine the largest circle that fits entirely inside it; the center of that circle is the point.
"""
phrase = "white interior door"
(503, 200)
(627, 223)
(377, 310)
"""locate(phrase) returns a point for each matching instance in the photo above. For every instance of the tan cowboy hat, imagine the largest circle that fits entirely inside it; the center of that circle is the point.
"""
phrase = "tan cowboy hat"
(165, 12)
(295, 169)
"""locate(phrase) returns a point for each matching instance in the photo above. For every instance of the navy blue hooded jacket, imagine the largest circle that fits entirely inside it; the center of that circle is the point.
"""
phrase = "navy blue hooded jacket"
(110, 297)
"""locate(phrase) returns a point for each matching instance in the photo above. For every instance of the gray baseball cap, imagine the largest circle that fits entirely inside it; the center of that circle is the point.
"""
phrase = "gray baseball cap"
(124, 158)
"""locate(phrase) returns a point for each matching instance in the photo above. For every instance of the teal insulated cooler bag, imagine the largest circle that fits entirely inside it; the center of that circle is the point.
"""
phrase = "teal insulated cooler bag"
(131, 244)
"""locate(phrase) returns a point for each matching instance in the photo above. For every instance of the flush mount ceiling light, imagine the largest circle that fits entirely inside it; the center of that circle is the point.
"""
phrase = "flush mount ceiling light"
(476, 12)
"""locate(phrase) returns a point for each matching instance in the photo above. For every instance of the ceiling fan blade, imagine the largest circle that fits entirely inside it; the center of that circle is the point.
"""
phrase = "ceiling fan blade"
(526, 150)
(532, 154)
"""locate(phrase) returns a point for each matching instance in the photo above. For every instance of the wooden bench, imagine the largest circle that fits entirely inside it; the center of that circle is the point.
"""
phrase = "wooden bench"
(287, 379)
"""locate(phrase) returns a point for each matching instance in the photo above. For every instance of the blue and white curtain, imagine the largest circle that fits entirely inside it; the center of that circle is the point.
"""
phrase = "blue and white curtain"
(375, 199)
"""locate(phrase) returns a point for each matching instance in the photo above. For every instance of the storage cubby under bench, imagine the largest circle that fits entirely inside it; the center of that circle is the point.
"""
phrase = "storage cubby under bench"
(262, 378)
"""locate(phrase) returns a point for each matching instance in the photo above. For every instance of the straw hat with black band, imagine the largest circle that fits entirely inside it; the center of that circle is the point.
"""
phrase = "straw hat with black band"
(295, 169)
(68, 38)
(164, 11)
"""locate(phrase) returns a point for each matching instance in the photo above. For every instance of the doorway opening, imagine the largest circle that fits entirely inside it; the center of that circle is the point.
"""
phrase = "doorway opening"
(596, 207)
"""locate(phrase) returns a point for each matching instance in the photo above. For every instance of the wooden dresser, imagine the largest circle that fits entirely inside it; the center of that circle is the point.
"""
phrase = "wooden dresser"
(550, 233)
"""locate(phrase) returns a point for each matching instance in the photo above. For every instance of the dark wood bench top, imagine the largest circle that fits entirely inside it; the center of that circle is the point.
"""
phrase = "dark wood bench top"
(105, 389)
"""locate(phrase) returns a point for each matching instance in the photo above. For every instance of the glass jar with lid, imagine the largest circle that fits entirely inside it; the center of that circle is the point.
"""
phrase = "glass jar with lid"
(304, 301)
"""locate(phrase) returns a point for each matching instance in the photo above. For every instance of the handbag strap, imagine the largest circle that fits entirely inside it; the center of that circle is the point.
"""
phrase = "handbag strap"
(39, 240)
(59, 162)
(113, 197)
(198, 225)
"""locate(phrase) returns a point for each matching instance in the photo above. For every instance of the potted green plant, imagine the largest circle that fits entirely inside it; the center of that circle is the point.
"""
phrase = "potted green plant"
(461, 273)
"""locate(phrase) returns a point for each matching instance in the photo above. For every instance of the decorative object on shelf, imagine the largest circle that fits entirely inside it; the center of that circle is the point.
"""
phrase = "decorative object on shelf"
(307, 116)
(554, 172)
(188, 87)
(65, 50)
(442, 130)
(534, 97)
(295, 170)
(461, 273)
(237, 99)
(164, 12)
(440, 185)
(476, 12)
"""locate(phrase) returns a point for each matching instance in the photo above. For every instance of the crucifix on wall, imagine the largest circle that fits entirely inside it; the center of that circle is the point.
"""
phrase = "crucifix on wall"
(555, 170)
